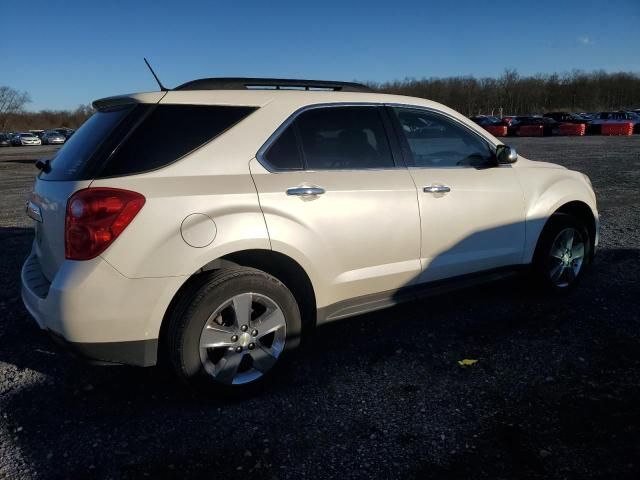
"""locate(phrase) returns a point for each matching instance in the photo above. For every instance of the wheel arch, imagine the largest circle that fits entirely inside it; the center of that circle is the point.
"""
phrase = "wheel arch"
(577, 209)
(582, 212)
(277, 264)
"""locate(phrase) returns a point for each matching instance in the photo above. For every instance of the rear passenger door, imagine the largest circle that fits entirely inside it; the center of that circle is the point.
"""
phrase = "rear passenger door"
(336, 198)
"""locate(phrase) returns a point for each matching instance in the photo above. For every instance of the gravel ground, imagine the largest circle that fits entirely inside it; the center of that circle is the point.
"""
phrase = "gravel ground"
(555, 392)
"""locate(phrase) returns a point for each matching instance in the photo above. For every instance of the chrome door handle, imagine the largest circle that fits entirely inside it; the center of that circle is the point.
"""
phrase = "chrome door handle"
(305, 191)
(436, 189)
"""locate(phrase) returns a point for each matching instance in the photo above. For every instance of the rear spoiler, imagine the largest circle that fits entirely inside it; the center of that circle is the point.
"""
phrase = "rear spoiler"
(127, 99)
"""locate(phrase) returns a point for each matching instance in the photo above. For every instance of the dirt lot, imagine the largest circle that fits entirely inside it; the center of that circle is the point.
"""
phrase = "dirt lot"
(555, 393)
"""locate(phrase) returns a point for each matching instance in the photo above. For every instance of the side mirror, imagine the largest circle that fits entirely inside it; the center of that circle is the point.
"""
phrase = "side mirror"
(506, 154)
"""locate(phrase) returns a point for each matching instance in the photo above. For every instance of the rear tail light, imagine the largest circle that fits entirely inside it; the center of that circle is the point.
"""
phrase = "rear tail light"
(95, 218)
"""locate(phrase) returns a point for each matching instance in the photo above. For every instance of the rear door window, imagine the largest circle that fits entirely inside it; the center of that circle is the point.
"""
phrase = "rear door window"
(336, 138)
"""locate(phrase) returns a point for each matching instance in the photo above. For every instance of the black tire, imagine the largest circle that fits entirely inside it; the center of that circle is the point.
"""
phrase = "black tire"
(544, 263)
(205, 296)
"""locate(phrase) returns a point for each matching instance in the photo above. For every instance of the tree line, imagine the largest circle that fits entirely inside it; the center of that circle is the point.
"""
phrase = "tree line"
(14, 118)
(514, 94)
(510, 94)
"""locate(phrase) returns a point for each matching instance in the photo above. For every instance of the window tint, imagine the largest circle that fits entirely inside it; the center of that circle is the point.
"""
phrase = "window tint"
(134, 138)
(170, 132)
(344, 138)
(435, 141)
(284, 153)
(74, 158)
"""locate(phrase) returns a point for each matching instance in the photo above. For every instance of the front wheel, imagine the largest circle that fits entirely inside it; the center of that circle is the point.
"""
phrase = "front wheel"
(563, 251)
(232, 330)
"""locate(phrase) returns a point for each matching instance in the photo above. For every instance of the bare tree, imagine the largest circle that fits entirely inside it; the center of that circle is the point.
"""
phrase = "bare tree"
(516, 94)
(11, 101)
(47, 119)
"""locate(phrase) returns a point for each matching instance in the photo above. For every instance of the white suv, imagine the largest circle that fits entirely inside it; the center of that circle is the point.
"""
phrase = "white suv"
(213, 224)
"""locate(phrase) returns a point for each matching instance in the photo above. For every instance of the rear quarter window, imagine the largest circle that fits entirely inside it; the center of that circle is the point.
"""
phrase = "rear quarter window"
(137, 138)
(168, 133)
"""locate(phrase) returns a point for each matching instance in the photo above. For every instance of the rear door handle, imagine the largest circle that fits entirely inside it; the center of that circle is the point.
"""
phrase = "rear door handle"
(305, 191)
(436, 189)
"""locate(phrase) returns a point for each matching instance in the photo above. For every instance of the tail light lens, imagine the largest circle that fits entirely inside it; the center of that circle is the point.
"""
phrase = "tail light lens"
(95, 218)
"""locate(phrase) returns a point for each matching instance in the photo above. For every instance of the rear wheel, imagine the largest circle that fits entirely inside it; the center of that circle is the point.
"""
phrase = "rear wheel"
(232, 330)
(563, 251)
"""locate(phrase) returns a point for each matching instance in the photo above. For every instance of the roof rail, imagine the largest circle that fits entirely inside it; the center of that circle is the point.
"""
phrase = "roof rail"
(230, 83)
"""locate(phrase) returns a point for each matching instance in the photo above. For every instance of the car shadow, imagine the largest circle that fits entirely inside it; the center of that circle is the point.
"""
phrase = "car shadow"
(386, 380)
(27, 161)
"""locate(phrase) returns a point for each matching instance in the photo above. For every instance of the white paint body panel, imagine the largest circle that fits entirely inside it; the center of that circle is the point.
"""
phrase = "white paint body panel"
(478, 225)
(360, 237)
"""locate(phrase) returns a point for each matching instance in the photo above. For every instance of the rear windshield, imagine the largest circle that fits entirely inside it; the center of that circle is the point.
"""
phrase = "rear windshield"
(134, 139)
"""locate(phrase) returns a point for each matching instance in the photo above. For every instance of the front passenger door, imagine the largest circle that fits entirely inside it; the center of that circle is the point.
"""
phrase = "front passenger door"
(472, 211)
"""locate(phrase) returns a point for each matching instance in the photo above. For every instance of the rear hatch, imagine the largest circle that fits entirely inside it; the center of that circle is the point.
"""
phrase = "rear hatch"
(72, 169)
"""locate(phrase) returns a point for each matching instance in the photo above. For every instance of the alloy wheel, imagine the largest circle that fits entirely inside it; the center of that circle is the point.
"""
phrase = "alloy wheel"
(242, 339)
(566, 257)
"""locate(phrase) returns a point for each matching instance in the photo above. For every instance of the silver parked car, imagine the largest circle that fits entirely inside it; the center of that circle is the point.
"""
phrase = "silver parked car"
(53, 137)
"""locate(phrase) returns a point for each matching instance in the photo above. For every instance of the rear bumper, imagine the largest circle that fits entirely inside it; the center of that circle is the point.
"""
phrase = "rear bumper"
(97, 312)
(141, 353)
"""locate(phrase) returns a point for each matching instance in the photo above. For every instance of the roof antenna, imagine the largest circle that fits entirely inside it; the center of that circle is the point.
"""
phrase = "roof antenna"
(162, 87)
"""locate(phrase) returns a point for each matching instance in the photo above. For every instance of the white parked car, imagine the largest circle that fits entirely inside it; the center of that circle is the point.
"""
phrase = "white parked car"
(275, 206)
(25, 139)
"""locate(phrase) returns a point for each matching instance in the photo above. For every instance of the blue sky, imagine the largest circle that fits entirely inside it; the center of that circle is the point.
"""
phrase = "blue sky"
(66, 53)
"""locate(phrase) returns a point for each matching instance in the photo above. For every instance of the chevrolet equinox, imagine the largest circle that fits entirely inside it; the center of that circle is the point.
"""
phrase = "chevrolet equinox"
(208, 227)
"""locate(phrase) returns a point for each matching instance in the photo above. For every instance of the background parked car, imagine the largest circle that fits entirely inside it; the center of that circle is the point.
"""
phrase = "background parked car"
(550, 126)
(575, 118)
(37, 133)
(587, 115)
(485, 120)
(566, 117)
(618, 117)
(25, 139)
(5, 141)
(66, 132)
(508, 119)
(53, 137)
